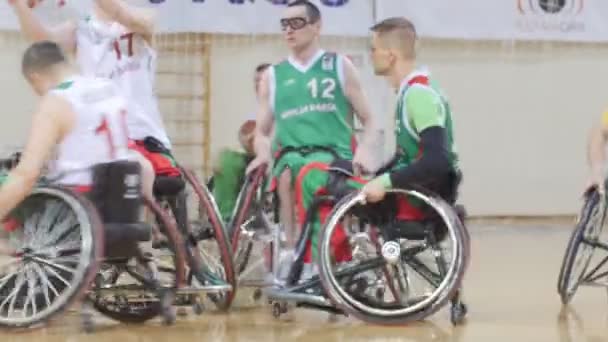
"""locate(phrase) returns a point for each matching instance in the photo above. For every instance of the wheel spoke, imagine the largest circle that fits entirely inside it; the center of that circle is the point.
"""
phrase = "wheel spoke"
(45, 283)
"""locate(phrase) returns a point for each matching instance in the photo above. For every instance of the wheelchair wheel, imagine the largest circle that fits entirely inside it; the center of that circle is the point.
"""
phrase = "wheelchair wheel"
(137, 290)
(209, 252)
(392, 260)
(57, 238)
(580, 249)
(252, 221)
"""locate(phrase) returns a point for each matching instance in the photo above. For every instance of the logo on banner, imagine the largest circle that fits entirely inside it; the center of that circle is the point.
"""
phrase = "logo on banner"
(562, 16)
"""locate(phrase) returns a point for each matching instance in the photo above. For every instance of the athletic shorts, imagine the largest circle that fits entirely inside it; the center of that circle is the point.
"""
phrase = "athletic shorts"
(162, 162)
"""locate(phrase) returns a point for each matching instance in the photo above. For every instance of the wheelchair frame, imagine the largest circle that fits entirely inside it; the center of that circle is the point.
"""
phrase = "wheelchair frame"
(584, 241)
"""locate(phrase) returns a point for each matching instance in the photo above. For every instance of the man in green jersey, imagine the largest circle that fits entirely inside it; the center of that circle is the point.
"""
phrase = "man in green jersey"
(310, 98)
(423, 117)
(423, 133)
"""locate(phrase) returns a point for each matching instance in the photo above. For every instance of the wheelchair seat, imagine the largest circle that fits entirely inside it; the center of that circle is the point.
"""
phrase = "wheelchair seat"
(168, 186)
(116, 193)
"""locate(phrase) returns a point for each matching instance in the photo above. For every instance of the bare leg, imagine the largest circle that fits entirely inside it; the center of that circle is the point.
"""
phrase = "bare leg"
(147, 180)
(287, 205)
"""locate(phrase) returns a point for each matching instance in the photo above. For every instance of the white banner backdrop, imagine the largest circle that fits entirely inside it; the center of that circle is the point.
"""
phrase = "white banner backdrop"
(563, 20)
(340, 17)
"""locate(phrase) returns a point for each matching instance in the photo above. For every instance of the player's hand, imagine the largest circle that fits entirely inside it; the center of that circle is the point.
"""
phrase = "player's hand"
(596, 180)
(258, 161)
(374, 191)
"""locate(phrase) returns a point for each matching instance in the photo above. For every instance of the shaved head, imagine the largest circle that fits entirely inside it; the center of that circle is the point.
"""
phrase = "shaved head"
(398, 34)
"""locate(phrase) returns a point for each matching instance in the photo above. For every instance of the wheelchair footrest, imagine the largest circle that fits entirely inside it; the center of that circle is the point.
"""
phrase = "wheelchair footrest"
(278, 294)
(203, 289)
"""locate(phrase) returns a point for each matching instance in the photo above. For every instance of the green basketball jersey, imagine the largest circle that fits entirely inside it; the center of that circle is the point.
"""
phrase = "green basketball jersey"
(309, 105)
(421, 105)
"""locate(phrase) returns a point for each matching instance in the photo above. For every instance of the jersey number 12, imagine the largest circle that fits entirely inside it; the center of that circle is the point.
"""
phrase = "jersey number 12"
(328, 85)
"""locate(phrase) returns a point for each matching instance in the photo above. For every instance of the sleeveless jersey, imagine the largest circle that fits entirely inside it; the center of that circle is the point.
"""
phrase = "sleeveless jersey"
(99, 134)
(407, 134)
(111, 51)
(309, 104)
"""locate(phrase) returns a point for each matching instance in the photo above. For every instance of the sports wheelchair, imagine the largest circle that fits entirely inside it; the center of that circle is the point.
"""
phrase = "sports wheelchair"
(390, 257)
(577, 268)
(87, 244)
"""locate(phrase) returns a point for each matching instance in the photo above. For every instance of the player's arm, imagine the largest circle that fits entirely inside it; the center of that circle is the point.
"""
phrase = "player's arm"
(424, 108)
(49, 125)
(264, 117)
(358, 100)
(137, 19)
(596, 148)
(63, 34)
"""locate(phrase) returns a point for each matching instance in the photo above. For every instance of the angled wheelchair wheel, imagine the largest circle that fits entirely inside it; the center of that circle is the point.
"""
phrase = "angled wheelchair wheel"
(401, 270)
(144, 287)
(253, 221)
(208, 244)
(57, 241)
(581, 246)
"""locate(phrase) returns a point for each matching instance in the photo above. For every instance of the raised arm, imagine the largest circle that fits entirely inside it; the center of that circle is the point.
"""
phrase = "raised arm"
(49, 125)
(139, 20)
(63, 34)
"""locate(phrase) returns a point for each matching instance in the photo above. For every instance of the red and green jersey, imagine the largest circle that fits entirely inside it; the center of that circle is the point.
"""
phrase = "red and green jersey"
(421, 105)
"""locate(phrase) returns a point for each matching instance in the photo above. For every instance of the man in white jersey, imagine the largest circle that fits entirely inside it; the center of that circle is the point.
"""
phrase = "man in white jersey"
(115, 42)
(81, 118)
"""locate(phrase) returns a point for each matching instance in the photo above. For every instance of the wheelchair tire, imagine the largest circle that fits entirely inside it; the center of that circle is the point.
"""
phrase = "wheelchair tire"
(578, 252)
(395, 313)
(208, 211)
(58, 258)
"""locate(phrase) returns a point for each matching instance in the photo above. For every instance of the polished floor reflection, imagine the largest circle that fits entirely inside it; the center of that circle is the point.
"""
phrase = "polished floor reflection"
(510, 290)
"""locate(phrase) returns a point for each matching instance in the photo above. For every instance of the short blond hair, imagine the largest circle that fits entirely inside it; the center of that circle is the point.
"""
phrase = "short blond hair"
(399, 33)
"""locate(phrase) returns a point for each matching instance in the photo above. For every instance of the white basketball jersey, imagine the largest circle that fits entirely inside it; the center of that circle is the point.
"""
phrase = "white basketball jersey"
(99, 134)
(110, 50)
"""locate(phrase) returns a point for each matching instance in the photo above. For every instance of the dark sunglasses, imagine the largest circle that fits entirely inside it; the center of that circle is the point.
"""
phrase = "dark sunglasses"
(295, 23)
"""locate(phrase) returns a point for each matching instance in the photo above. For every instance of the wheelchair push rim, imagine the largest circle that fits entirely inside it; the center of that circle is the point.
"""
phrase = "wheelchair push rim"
(579, 252)
(448, 285)
(56, 260)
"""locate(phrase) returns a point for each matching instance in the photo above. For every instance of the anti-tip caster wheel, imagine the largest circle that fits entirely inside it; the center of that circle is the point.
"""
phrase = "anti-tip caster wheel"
(88, 326)
(458, 313)
(198, 306)
(168, 312)
(276, 310)
(279, 309)
(257, 295)
(168, 316)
